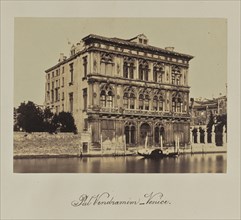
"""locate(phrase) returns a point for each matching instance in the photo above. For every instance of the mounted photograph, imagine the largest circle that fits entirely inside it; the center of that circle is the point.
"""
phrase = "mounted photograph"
(120, 95)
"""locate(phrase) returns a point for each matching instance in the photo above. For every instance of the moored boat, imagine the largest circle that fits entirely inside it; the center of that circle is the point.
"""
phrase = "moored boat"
(156, 153)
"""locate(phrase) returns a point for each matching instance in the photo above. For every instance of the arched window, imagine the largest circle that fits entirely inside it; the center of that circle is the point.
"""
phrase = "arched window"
(178, 81)
(161, 100)
(141, 72)
(125, 100)
(125, 70)
(133, 131)
(106, 64)
(141, 101)
(127, 134)
(155, 74)
(155, 103)
(102, 98)
(174, 104)
(179, 104)
(157, 135)
(132, 101)
(176, 74)
(130, 133)
(173, 79)
(146, 102)
(131, 71)
(106, 96)
(146, 73)
(109, 99)
(128, 68)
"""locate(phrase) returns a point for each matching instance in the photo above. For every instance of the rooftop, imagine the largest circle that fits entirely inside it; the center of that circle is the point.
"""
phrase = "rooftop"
(130, 42)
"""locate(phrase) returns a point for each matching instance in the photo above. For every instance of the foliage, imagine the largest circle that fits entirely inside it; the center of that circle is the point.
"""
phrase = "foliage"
(65, 122)
(31, 118)
(210, 122)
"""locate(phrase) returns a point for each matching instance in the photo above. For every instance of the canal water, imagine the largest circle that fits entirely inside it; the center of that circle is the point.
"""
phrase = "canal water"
(196, 163)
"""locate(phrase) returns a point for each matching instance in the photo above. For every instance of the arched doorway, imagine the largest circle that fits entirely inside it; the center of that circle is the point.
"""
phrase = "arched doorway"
(145, 130)
(130, 133)
(159, 131)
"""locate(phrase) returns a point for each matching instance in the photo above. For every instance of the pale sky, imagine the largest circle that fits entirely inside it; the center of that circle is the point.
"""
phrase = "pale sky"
(39, 41)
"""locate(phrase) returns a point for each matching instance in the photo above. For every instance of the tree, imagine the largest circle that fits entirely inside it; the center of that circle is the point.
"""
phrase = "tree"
(65, 122)
(210, 122)
(30, 117)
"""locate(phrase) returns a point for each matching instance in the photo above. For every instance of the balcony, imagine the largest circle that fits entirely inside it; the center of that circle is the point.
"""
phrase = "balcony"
(136, 112)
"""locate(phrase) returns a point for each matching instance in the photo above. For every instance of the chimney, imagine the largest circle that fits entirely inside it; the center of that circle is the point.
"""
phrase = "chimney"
(61, 57)
(169, 48)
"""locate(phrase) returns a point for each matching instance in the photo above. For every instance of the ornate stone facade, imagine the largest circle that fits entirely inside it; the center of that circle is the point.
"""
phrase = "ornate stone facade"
(123, 88)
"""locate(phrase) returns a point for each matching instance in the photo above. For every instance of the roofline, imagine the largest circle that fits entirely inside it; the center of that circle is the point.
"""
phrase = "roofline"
(128, 43)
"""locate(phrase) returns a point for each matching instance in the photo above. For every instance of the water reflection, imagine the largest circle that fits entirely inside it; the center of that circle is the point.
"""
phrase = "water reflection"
(197, 163)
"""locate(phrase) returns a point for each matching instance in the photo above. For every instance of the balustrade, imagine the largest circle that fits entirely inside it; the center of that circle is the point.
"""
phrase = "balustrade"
(197, 136)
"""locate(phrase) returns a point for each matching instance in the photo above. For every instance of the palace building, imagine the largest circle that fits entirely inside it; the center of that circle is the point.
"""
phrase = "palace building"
(125, 90)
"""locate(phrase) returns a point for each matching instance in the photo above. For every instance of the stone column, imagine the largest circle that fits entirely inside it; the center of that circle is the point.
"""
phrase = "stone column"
(115, 96)
(198, 136)
(97, 93)
(90, 94)
(186, 72)
(213, 135)
(224, 137)
(191, 136)
(151, 72)
(90, 70)
(136, 72)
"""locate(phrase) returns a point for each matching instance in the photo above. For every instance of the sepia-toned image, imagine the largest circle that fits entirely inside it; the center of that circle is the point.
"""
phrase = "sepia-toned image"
(120, 110)
(120, 95)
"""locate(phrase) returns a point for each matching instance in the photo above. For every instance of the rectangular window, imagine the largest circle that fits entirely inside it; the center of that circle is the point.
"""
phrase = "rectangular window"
(48, 88)
(85, 98)
(71, 69)
(62, 95)
(85, 124)
(47, 96)
(71, 102)
(48, 75)
(85, 66)
(62, 81)
(56, 95)
(52, 74)
(52, 95)
(63, 69)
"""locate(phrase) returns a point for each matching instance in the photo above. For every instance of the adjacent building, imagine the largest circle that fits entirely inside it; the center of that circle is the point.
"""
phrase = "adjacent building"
(201, 109)
(124, 90)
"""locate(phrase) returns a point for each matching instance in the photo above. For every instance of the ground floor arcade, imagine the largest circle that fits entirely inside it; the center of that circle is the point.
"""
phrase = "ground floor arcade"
(137, 131)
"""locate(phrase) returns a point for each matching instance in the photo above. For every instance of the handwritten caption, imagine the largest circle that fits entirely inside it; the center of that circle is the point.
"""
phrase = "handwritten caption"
(107, 199)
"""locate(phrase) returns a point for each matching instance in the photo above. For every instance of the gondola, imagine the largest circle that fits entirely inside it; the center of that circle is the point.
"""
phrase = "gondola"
(156, 153)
